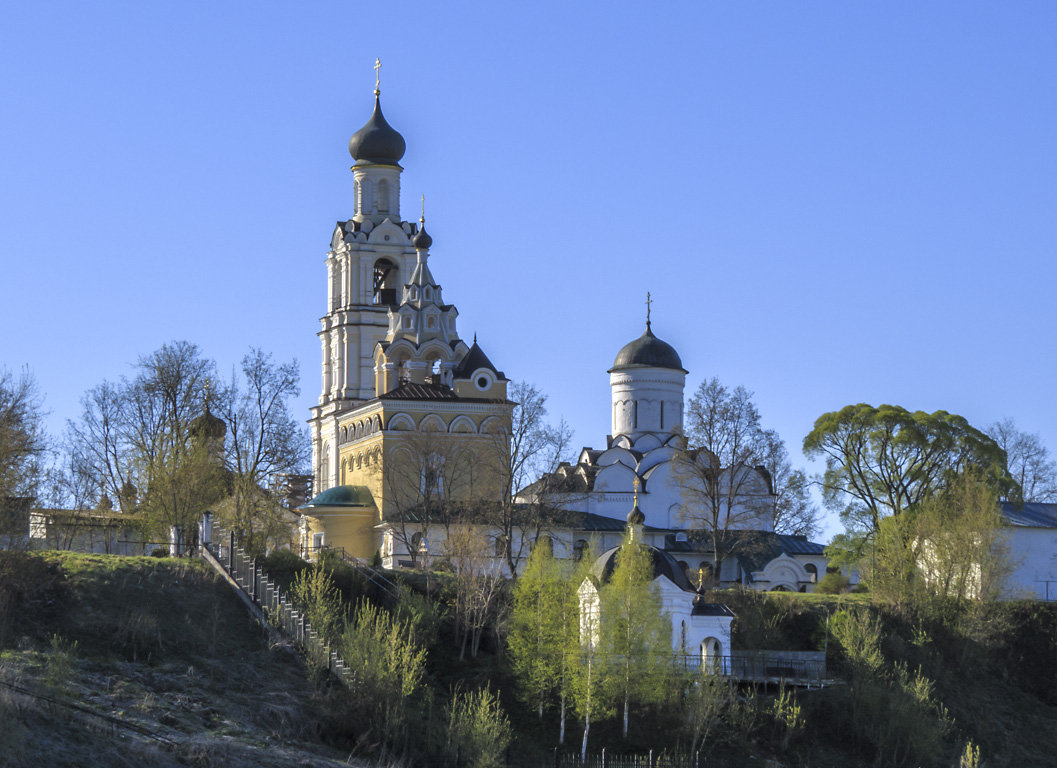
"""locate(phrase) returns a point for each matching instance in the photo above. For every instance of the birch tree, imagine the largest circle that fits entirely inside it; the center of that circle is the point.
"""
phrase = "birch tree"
(636, 634)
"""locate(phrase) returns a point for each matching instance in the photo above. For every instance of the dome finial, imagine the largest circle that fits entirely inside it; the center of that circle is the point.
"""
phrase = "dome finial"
(649, 301)
(377, 77)
(635, 516)
(422, 218)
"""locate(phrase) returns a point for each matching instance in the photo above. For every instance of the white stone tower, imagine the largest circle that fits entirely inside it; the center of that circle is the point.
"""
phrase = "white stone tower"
(646, 382)
(371, 258)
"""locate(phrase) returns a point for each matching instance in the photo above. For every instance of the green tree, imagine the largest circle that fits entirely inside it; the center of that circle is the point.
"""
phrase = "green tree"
(544, 637)
(535, 630)
(635, 632)
(959, 541)
(882, 461)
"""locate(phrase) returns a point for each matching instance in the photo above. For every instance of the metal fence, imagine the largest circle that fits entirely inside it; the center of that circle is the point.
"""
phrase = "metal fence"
(274, 603)
(604, 759)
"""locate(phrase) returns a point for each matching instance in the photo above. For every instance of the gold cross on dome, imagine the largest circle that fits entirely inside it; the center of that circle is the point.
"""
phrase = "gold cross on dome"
(377, 76)
(636, 483)
(649, 301)
(423, 218)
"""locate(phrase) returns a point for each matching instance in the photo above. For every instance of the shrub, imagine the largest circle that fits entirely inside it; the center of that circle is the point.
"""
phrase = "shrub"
(833, 583)
(385, 673)
(314, 593)
(478, 729)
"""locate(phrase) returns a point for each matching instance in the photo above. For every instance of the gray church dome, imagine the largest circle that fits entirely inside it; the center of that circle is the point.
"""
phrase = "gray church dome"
(663, 565)
(647, 351)
(377, 141)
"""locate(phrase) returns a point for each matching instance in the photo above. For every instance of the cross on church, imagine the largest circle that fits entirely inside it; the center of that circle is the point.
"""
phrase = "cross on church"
(649, 301)
(636, 483)
(377, 76)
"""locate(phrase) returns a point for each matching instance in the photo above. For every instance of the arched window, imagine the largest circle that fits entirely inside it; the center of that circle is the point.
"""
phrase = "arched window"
(812, 572)
(711, 656)
(579, 547)
(416, 542)
(386, 278)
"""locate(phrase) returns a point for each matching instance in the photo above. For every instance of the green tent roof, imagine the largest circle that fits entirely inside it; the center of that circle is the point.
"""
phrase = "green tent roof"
(343, 496)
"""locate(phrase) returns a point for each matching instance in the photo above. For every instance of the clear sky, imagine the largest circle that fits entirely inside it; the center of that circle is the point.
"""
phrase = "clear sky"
(830, 202)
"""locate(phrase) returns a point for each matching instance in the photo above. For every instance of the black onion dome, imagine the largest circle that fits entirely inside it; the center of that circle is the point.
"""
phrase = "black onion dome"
(209, 426)
(647, 351)
(377, 141)
(635, 516)
(663, 565)
(422, 240)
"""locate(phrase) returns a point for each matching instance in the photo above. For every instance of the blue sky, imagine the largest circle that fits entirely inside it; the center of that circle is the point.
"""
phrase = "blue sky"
(830, 202)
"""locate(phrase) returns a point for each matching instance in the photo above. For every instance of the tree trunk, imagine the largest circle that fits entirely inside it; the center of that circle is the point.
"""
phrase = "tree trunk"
(561, 727)
(626, 703)
(587, 729)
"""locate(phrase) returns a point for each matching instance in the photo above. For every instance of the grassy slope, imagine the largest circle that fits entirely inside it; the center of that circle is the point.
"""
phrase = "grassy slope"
(162, 643)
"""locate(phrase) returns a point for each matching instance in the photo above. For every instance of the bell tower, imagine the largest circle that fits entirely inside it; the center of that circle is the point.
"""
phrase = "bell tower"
(371, 258)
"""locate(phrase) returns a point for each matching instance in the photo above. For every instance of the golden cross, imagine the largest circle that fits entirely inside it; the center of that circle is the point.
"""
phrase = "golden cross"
(636, 483)
(423, 218)
(649, 301)
(377, 76)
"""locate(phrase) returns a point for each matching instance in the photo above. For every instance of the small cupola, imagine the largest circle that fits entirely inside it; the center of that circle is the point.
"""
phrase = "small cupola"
(422, 241)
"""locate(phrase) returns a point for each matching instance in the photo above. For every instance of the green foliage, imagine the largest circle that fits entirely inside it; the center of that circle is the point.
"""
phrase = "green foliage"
(635, 632)
(420, 613)
(386, 669)
(885, 460)
(892, 711)
(479, 731)
(283, 565)
(787, 716)
(58, 665)
(832, 583)
(314, 593)
(970, 756)
(540, 633)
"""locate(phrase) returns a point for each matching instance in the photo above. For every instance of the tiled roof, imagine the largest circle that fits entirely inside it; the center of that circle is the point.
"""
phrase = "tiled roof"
(410, 391)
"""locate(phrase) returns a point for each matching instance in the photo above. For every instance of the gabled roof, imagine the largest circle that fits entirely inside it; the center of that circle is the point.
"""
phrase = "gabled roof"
(1030, 515)
(475, 359)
